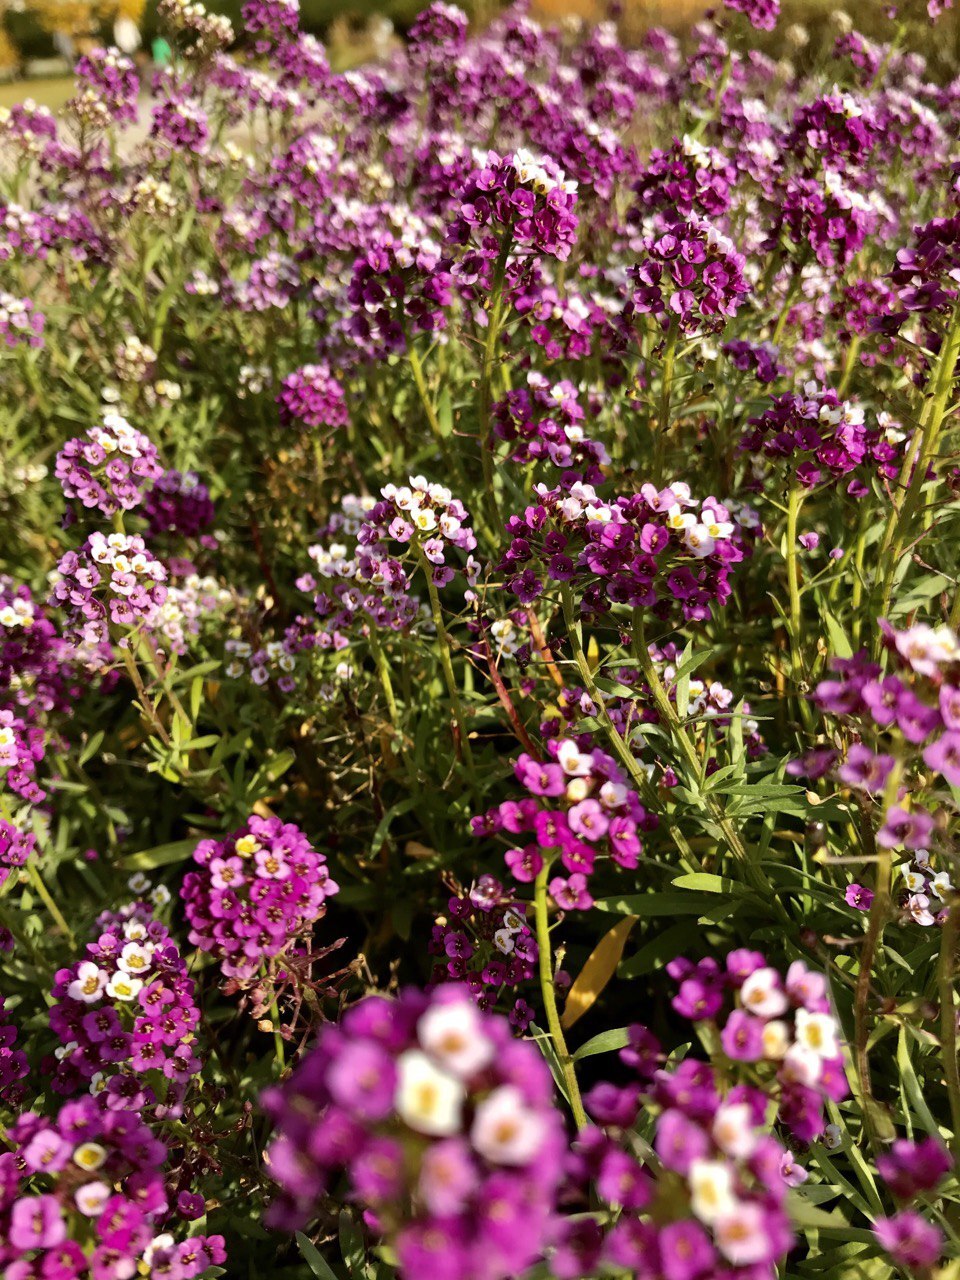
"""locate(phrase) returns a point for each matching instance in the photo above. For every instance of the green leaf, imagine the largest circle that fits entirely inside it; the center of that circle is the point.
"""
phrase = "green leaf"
(312, 1257)
(605, 1042)
(161, 855)
(707, 883)
(839, 643)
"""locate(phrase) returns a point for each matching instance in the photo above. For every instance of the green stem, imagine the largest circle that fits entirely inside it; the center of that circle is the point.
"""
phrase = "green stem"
(666, 388)
(620, 746)
(948, 1018)
(913, 474)
(548, 992)
(446, 663)
(794, 503)
(43, 893)
(383, 670)
(876, 921)
(278, 1047)
(485, 395)
(686, 748)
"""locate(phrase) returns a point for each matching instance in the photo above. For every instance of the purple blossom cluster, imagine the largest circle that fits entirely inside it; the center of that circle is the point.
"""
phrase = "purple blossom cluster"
(907, 722)
(762, 14)
(255, 894)
(126, 1016)
(81, 1198)
(520, 201)
(825, 438)
(401, 287)
(443, 1124)
(107, 79)
(112, 580)
(659, 549)
(22, 747)
(580, 806)
(38, 668)
(21, 324)
(912, 1170)
(544, 420)
(485, 942)
(14, 1067)
(422, 515)
(178, 503)
(110, 468)
(783, 1027)
(16, 847)
(690, 276)
(312, 397)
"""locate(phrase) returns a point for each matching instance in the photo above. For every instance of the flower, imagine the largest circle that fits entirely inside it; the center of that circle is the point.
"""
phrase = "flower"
(474, 1193)
(255, 894)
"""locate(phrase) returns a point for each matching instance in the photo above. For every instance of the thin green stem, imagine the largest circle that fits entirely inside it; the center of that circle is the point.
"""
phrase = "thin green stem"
(548, 992)
(797, 673)
(666, 389)
(876, 922)
(913, 474)
(43, 893)
(948, 1017)
(485, 394)
(446, 663)
(614, 737)
(683, 743)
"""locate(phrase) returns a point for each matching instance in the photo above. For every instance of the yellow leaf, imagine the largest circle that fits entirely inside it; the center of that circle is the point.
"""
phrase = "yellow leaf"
(593, 653)
(600, 967)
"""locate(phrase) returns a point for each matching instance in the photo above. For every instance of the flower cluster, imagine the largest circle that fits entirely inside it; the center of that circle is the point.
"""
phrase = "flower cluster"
(762, 14)
(14, 1066)
(20, 322)
(908, 722)
(425, 515)
(659, 549)
(16, 847)
(544, 420)
(108, 86)
(312, 397)
(127, 1017)
(400, 287)
(912, 1170)
(444, 1125)
(782, 1026)
(485, 942)
(825, 438)
(130, 596)
(22, 748)
(255, 894)
(81, 1196)
(580, 805)
(691, 276)
(520, 201)
(110, 468)
(179, 503)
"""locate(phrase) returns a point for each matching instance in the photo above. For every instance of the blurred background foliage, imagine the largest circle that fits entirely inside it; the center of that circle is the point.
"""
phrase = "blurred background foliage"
(27, 27)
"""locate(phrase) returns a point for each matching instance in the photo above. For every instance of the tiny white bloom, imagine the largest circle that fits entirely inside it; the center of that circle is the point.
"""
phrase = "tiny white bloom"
(454, 1035)
(428, 1098)
(506, 1130)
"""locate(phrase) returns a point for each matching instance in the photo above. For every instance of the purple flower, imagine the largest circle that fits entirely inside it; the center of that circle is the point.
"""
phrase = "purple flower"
(910, 1240)
(857, 895)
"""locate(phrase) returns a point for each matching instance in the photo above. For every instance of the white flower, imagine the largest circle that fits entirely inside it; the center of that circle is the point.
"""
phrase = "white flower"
(504, 941)
(697, 539)
(428, 1098)
(134, 958)
(91, 1198)
(123, 987)
(817, 1032)
(711, 1190)
(89, 1156)
(89, 984)
(776, 1039)
(734, 1130)
(454, 1035)
(572, 760)
(802, 1065)
(761, 994)
(940, 884)
(505, 1130)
